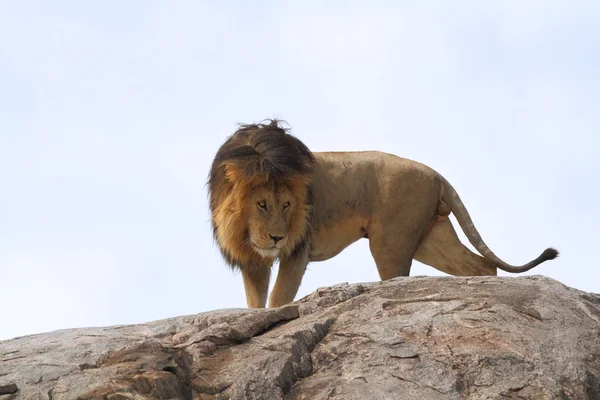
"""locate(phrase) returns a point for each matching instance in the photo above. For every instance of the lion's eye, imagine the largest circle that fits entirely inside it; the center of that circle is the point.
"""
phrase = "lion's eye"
(262, 204)
(286, 205)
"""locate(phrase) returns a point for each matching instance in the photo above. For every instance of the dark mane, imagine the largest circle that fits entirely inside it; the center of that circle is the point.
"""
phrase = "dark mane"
(253, 155)
(261, 150)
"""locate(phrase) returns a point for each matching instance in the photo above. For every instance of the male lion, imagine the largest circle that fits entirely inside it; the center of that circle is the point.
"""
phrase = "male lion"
(270, 197)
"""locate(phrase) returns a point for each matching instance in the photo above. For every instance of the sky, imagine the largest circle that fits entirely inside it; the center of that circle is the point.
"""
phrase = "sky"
(111, 113)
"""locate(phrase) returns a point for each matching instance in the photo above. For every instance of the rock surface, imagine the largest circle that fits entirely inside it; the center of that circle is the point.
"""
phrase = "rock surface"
(413, 338)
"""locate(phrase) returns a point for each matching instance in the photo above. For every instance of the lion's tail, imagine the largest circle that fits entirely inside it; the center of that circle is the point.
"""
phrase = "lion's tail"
(451, 197)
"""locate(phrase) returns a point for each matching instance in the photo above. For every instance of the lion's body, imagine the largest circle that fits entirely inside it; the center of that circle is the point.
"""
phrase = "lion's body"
(394, 203)
(401, 206)
(358, 194)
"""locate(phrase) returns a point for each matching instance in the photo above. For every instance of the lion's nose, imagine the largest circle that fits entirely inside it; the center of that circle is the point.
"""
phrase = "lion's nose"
(276, 238)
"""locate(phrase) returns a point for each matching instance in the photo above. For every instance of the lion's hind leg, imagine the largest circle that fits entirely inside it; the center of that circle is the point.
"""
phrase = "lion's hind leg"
(395, 234)
(393, 256)
(442, 250)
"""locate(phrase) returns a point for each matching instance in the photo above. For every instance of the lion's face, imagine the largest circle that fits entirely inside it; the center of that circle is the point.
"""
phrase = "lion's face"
(269, 209)
(259, 195)
(258, 221)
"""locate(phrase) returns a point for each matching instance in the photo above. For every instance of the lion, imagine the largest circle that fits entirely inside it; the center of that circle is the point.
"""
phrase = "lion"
(271, 198)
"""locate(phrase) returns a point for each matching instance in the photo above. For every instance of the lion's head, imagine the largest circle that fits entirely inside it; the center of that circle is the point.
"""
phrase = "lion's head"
(258, 188)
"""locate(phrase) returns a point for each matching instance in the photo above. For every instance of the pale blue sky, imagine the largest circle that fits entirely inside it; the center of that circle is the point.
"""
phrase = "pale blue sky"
(111, 112)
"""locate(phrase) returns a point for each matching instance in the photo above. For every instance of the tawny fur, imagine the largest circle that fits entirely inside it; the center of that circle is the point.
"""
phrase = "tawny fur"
(271, 198)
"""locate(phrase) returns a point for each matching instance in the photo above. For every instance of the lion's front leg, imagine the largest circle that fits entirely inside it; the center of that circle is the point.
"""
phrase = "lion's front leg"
(288, 280)
(256, 285)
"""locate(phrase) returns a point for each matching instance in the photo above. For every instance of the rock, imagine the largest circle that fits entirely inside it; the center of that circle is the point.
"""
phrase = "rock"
(414, 338)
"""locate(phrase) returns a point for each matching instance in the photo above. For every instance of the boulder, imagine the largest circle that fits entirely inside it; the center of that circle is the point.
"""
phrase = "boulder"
(406, 338)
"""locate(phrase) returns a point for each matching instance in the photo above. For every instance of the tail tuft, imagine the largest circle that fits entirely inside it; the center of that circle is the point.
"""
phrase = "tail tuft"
(549, 254)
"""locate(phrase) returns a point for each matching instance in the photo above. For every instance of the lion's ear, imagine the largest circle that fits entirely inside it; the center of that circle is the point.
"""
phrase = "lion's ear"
(232, 172)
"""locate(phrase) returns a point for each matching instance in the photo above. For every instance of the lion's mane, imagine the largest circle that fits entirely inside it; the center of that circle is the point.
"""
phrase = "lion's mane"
(256, 154)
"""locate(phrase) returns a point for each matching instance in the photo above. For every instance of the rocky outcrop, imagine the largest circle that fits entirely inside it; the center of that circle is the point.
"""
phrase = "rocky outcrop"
(407, 338)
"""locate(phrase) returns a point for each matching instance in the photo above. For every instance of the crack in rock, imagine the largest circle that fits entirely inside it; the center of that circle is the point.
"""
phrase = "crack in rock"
(300, 364)
(283, 358)
(241, 330)
(9, 388)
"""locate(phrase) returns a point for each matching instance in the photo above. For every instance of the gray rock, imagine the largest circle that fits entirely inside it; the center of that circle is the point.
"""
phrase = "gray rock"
(413, 338)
